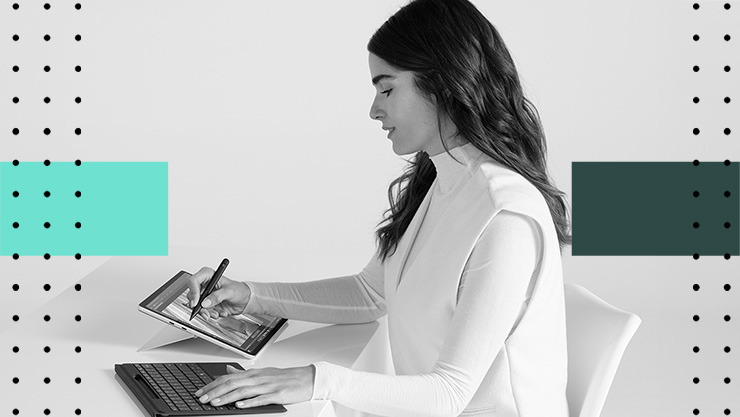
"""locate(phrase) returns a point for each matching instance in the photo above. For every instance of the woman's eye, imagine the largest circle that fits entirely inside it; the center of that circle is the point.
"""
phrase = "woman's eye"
(386, 92)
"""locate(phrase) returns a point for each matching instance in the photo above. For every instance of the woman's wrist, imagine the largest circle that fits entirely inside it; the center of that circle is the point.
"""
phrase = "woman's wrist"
(248, 295)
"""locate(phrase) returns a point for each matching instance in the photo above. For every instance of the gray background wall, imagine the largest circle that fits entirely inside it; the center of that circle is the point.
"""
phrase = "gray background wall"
(261, 111)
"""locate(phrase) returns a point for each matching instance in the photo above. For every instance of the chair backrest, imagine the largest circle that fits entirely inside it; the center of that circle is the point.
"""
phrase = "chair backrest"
(598, 334)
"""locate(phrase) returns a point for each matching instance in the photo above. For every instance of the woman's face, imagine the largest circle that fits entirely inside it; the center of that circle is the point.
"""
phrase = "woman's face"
(409, 118)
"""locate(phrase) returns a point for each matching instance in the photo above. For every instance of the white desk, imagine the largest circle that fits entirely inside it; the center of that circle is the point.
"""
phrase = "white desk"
(111, 330)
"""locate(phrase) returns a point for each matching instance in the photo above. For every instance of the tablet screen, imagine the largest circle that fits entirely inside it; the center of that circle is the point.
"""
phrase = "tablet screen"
(246, 332)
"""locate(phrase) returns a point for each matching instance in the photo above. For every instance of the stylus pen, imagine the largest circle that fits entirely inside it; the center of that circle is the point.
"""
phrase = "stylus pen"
(211, 285)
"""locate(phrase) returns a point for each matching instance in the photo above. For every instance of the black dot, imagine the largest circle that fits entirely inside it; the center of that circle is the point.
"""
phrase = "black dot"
(47, 411)
(727, 6)
(696, 380)
(696, 256)
(78, 68)
(727, 287)
(47, 256)
(15, 38)
(78, 131)
(15, 225)
(16, 193)
(696, 130)
(15, 256)
(78, 411)
(47, 37)
(696, 287)
(16, 380)
(47, 131)
(727, 100)
(696, 68)
(78, 100)
(78, 287)
(15, 349)
(78, 6)
(15, 410)
(47, 349)
(727, 194)
(78, 257)
(696, 194)
(47, 162)
(47, 225)
(47, 317)
(696, 225)
(727, 225)
(78, 225)
(16, 131)
(47, 287)
(727, 349)
(78, 194)
(696, 37)
(47, 380)
(696, 6)
(47, 194)
(16, 318)
(47, 100)
(16, 287)
(47, 68)
(727, 317)
(78, 162)
(47, 6)
(727, 37)
(727, 68)
(727, 256)
(16, 100)
(696, 99)
(78, 380)
(78, 317)
(696, 411)
(727, 411)
(15, 162)
(696, 318)
(727, 162)
(78, 349)
(15, 68)
(78, 38)
(727, 131)
(696, 162)
(727, 380)
(696, 349)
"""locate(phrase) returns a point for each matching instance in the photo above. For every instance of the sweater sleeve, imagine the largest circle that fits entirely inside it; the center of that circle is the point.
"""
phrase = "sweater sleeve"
(349, 299)
(495, 278)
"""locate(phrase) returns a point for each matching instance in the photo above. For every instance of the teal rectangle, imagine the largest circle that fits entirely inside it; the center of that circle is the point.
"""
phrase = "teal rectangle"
(649, 208)
(122, 209)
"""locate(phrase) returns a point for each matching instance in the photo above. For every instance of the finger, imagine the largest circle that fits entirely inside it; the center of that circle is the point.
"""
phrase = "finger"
(243, 393)
(196, 281)
(257, 401)
(217, 297)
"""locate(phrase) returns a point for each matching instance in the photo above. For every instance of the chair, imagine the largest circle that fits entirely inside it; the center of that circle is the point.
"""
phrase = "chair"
(597, 334)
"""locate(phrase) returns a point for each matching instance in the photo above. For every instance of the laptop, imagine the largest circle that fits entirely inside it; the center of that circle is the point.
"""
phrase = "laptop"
(245, 334)
(168, 389)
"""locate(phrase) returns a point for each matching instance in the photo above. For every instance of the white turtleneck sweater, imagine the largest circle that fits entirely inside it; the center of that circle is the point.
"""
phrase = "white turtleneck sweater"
(464, 342)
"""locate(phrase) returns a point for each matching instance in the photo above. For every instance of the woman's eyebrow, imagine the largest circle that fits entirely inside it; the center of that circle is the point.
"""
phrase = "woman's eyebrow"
(380, 77)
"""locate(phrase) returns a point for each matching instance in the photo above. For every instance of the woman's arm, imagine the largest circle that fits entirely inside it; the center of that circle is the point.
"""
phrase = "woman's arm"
(350, 299)
(495, 282)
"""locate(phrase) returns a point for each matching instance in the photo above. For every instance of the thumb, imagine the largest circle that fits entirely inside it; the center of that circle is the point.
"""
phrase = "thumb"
(230, 369)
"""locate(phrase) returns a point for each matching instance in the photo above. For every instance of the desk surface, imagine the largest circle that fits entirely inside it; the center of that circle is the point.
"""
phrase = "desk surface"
(111, 330)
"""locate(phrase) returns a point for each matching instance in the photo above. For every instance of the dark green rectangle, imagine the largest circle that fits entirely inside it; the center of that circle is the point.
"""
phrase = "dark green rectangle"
(649, 208)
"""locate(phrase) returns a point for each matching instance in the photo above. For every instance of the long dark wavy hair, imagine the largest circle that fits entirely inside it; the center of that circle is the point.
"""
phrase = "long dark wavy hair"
(460, 61)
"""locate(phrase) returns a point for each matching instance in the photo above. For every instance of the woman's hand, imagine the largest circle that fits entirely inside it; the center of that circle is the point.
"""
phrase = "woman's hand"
(255, 387)
(229, 298)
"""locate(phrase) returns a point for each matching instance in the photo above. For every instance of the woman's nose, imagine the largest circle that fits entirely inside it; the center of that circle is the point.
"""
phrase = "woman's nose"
(375, 110)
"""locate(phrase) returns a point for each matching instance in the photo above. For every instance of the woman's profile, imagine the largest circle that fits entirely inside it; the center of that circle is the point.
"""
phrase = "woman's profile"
(468, 263)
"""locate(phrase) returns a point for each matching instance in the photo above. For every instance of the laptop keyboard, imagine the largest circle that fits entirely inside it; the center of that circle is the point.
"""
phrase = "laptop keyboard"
(176, 383)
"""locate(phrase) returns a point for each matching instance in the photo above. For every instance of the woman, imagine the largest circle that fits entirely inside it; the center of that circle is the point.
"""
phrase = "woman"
(468, 266)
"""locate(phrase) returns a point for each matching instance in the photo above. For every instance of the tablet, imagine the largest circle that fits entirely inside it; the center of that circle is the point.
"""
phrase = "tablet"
(245, 334)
